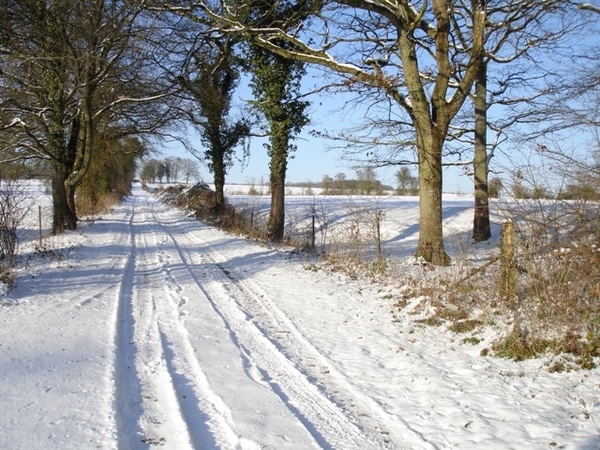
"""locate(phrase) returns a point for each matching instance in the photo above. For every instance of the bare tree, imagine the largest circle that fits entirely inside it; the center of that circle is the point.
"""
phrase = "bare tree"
(189, 169)
(150, 169)
(575, 101)
(208, 81)
(515, 31)
(70, 63)
(407, 182)
(405, 52)
(367, 182)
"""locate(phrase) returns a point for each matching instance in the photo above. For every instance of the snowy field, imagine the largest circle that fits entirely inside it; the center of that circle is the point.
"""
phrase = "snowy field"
(340, 220)
(146, 329)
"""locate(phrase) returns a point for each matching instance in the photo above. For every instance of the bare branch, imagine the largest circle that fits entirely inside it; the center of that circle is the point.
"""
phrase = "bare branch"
(589, 7)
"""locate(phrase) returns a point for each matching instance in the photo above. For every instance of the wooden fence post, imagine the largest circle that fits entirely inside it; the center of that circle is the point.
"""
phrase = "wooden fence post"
(378, 236)
(40, 222)
(312, 241)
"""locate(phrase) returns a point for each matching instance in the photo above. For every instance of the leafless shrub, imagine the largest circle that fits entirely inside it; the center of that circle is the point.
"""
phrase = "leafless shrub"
(351, 237)
(13, 207)
(555, 305)
(86, 206)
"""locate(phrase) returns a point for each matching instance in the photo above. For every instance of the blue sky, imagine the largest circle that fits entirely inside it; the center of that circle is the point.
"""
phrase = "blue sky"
(315, 156)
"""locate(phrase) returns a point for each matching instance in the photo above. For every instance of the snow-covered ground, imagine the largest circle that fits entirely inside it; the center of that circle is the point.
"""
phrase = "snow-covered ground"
(147, 329)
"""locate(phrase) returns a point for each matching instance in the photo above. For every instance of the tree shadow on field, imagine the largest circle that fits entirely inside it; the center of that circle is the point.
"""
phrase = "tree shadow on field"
(409, 232)
(412, 231)
(593, 443)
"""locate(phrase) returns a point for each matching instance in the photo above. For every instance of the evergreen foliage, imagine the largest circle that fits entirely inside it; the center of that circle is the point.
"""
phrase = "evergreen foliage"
(276, 85)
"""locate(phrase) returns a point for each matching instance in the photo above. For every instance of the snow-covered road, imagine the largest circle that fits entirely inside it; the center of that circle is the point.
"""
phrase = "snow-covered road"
(186, 352)
(148, 329)
(200, 370)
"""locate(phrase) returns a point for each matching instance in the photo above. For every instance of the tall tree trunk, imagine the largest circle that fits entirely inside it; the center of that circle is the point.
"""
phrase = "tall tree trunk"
(218, 166)
(63, 215)
(278, 166)
(431, 238)
(481, 215)
(80, 146)
(63, 208)
(70, 196)
(276, 226)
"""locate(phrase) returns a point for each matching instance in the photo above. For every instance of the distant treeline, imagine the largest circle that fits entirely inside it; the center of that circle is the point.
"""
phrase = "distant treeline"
(346, 187)
(365, 183)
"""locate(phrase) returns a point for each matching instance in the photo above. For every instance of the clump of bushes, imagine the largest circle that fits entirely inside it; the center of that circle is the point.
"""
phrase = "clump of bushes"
(543, 301)
(199, 201)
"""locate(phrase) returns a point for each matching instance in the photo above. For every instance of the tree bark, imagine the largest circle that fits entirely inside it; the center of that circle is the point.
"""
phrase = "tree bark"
(80, 149)
(481, 214)
(278, 168)
(63, 199)
(218, 166)
(431, 238)
(63, 216)
(276, 225)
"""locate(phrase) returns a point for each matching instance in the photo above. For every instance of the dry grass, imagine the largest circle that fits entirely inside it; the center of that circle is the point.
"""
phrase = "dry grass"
(88, 207)
(555, 309)
(556, 304)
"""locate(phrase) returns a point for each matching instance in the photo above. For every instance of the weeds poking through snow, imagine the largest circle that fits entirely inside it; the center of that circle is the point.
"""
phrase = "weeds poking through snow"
(538, 295)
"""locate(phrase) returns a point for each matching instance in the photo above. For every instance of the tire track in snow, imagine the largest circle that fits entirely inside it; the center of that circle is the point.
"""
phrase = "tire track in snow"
(163, 421)
(326, 421)
(127, 392)
(264, 305)
(156, 403)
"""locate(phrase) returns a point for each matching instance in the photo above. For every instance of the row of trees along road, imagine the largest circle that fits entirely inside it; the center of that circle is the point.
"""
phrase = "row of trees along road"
(71, 75)
(427, 59)
(207, 65)
(71, 71)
